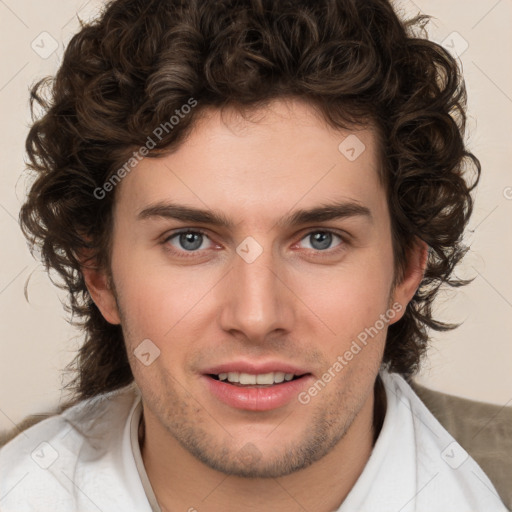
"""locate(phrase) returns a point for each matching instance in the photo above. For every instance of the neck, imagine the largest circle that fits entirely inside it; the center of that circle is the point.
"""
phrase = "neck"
(181, 482)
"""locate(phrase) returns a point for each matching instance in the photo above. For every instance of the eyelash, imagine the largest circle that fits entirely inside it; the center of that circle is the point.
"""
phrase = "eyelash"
(191, 254)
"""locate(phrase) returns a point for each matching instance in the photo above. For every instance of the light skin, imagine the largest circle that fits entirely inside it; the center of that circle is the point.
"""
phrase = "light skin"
(301, 301)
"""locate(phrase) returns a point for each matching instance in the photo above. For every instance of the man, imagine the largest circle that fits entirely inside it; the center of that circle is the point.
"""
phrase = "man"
(252, 205)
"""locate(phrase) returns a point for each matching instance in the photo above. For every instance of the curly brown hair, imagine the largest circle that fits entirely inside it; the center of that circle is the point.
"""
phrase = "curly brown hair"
(129, 70)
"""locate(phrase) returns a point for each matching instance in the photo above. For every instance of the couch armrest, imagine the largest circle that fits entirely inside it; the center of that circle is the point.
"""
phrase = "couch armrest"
(484, 430)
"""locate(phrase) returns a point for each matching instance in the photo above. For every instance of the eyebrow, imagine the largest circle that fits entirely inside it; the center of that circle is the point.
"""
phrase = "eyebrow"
(322, 213)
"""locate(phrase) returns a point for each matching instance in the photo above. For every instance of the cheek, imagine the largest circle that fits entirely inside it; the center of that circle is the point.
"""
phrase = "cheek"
(350, 294)
(158, 301)
(349, 304)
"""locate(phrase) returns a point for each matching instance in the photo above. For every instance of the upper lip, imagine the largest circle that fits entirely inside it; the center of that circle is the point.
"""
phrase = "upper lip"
(253, 368)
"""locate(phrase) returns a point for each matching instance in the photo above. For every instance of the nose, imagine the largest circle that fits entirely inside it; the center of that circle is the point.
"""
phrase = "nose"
(257, 302)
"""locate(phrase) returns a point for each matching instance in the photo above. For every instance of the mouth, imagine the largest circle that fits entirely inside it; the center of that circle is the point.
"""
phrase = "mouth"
(261, 380)
(250, 387)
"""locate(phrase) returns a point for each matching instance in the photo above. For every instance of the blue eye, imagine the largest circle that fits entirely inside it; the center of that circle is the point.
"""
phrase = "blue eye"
(189, 241)
(321, 240)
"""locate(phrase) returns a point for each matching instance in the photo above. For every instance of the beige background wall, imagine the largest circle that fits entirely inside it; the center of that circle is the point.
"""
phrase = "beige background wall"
(474, 361)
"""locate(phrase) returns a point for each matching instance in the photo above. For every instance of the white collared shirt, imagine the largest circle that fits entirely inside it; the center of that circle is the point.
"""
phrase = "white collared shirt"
(87, 459)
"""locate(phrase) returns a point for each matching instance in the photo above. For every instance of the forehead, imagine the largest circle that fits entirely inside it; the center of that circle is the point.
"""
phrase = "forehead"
(260, 164)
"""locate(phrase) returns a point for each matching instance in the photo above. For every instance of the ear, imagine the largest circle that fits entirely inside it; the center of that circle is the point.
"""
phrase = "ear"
(101, 291)
(413, 274)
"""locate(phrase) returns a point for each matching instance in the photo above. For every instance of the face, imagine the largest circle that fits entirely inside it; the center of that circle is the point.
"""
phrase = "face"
(266, 293)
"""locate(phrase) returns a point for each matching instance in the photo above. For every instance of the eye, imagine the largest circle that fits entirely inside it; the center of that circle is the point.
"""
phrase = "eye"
(187, 241)
(321, 240)
(193, 241)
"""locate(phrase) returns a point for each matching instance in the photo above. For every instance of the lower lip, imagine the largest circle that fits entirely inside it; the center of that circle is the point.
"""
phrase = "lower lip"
(254, 398)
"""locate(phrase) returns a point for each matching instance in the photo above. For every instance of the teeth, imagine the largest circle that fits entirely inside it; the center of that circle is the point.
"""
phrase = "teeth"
(279, 376)
(263, 378)
(245, 378)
